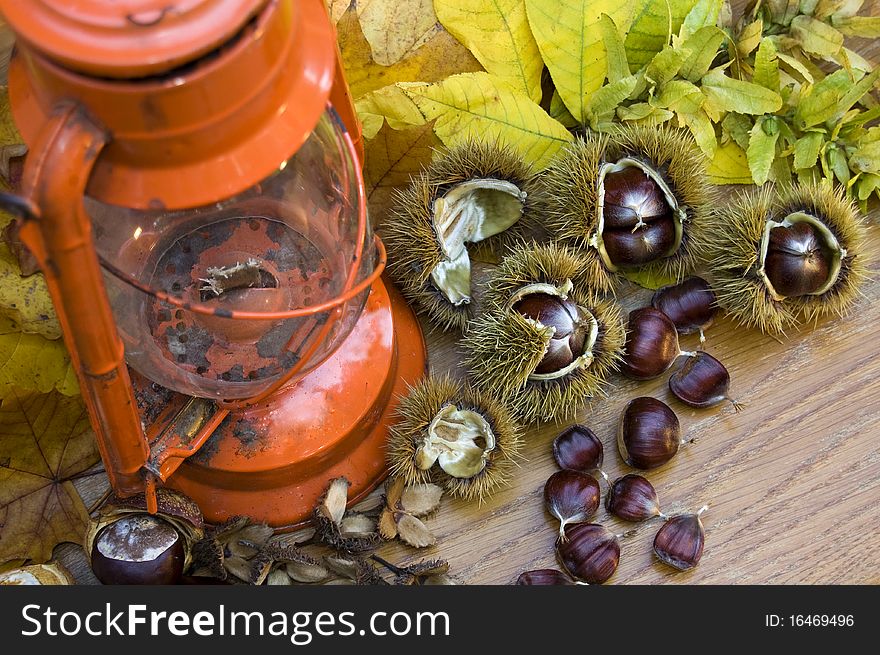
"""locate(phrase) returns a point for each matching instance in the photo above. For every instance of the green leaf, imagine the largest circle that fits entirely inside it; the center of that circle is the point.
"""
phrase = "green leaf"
(729, 166)
(704, 14)
(606, 99)
(816, 37)
(838, 164)
(796, 65)
(738, 128)
(615, 52)
(636, 112)
(866, 158)
(702, 47)
(653, 24)
(477, 104)
(783, 11)
(762, 149)
(663, 66)
(806, 149)
(868, 184)
(679, 96)
(854, 94)
(867, 27)
(820, 104)
(766, 66)
(648, 279)
(569, 37)
(498, 34)
(559, 112)
(780, 171)
(807, 7)
(726, 94)
(702, 130)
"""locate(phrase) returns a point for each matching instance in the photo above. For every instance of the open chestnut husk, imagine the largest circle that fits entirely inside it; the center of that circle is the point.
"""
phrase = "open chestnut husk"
(648, 434)
(455, 436)
(679, 542)
(589, 552)
(634, 199)
(690, 305)
(632, 497)
(787, 256)
(571, 497)
(475, 192)
(578, 448)
(702, 381)
(51, 573)
(544, 344)
(651, 344)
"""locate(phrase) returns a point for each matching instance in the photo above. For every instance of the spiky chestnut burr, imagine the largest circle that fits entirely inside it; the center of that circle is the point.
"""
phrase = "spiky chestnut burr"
(635, 199)
(544, 365)
(786, 256)
(453, 435)
(477, 191)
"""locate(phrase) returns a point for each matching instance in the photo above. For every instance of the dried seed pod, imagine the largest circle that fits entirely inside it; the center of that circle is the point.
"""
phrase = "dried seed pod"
(456, 436)
(51, 573)
(543, 371)
(690, 305)
(679, 543)
(651, 344)
(787, 256)
(589, 552)
(138, 549)
(648, 434)
(578, 448)
(572, 497)
(543, 577)
(635, 199)
(632, 498)
(476, 191)
(702, 381)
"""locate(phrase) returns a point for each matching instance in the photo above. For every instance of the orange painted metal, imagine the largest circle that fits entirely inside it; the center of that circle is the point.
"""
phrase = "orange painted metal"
(55, 176)
(273, 461)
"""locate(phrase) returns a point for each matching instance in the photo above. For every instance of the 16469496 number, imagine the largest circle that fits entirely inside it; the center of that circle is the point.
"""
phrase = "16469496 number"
(821, 620)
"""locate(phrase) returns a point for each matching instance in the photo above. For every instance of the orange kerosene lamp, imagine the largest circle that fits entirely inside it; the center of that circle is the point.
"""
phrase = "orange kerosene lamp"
(194, 196)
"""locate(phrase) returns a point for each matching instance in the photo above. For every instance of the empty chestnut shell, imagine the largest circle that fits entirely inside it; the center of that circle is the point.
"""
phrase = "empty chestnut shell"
(702, 381)
(679, 543)
(690, 305)
(590, 552)
(648, 434)
(632, 498)
(578, 448)
(651, 344)
(798, 261)
(138, 549)
(567, 343)
(543, 577)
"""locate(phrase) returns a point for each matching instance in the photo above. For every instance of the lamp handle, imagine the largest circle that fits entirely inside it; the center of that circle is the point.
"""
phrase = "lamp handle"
(58, 232)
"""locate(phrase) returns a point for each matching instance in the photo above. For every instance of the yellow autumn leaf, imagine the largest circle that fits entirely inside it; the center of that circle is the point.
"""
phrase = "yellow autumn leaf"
(32, 363)
(498, 34)
(569, 36)
(729, 166)
(653, 24)
(440, 57)
(477, 105)
(25, 300)
(336, 8)
(396, 28)
(392, 104)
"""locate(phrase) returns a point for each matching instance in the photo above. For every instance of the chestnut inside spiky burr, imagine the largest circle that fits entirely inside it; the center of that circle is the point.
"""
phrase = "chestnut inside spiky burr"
(640, 221)
(138, 549)
(690, 305)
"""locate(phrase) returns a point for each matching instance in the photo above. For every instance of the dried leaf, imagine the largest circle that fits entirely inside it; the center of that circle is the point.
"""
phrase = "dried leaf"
(421, 499)
(357, 525)
(394, 491)
(477, 104)
(261, 565)
(278, 578)
(387, 525)
(652, 27)
(306, 572)
(498, 34)
(291, 539)
(33, 363)
(396, 28)
(238, 567)
(762, 149)
(729, 166)
(26, 300)
(816, 37)
(46, 442)
(726, 94)
(749, 37)
(375, 501)
(255, 533)
(332, 503)
(355, 569)
(414, 532)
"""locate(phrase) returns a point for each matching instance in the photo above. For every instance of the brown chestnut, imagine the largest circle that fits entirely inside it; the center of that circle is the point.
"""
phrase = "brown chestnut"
(589, 552)
(798, 260)
(578, 448)
(648, 434)
(569, 338)
(651, 344)
(571, 497)
(690, 305)
(679, 543)
(632, 498)
(702, 381)
(138, 549)
(543, 577)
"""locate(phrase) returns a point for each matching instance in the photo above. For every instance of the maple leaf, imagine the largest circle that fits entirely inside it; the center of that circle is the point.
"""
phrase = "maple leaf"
(46, 442)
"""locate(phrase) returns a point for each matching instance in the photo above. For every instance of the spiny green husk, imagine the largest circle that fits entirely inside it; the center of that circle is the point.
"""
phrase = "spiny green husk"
(502, 348)
(569, 193)
(415, 414)
(734, 252)
(413, 248)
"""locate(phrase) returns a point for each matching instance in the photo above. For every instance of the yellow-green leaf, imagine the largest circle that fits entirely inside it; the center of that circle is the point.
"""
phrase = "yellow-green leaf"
(766, 66)
(497, 33)
(794, 64)
(816, 37)
(653, 24)
(559, 112)
(738, 128)
(806, 149)
(867, 27)
(679, 96)
(396, 28)
(729, 166)
(868, 184)
(607, 98)
(25, 300)
(866, 158)
(702, 130)
(749, 37)
(390, 103)
(822, 101)
(704, 14)
(783, 11)
(569, 36)
(663, 66)
(854, 94)
(33, 363)
(615, 52)
(726, 94)
(648, 279)
(635, 112)
(762, 149)
(702, 47)
(478, 105)
(836, 159)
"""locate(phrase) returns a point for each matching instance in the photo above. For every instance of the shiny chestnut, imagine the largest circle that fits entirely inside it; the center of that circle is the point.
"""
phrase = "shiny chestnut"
(679, 543)
(589, 552)
(648, 434)
(702, 381)
(798, 260)
(632, 498)
(651, 344)
(138, 549)
(570, 333)
(578, 448)
(690, 305)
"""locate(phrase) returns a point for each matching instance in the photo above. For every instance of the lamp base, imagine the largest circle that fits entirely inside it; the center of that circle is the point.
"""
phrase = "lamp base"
(273, 460)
